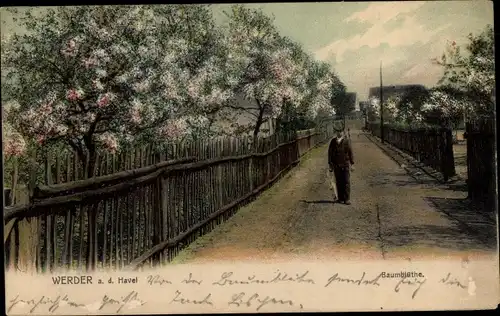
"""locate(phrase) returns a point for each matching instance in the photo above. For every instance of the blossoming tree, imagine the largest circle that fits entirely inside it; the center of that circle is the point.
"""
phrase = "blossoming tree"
(314, 85)
(444, 107)
(471, 74)
(410, 105)
(274, 72)
(98, 77)
(264, 65)
(14, 144)
(391, 110)
(323, 89)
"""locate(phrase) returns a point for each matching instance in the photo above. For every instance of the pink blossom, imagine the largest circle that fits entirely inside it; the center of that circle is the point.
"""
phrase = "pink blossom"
(40, 139)
(174, 129)
(278, 72)
(109, 141)
(46, 108)
(103, 101)
(82, 128)
(135, 113)
(74, 95)
(14, 144)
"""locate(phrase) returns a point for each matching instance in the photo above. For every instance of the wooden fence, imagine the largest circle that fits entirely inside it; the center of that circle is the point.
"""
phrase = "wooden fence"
(431, 146)
(481, 163)
(147, 214)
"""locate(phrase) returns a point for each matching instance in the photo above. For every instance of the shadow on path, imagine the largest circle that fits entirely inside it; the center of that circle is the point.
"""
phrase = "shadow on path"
(320, 202)
(469, 219)
(459, 186)
(402, 178)
(428, 235)
(400, 183)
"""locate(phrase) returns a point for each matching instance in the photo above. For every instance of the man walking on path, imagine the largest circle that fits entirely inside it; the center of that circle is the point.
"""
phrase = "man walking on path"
(340, 160)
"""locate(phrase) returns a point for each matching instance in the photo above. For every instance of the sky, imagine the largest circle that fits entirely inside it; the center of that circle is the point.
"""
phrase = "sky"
(355, 37)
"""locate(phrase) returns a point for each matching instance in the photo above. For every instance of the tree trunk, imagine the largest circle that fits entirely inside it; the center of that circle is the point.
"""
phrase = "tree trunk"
(260, 120)
(90, 162)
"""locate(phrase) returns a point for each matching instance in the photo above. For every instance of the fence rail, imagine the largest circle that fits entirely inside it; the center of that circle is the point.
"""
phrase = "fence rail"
(146, 215)
(431, 146)
(481, 163)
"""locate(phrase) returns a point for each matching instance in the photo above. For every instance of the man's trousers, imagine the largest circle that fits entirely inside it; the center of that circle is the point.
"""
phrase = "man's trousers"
(343, 179)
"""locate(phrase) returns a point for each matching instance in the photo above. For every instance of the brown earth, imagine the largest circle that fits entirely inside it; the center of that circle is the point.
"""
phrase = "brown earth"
(392, 216)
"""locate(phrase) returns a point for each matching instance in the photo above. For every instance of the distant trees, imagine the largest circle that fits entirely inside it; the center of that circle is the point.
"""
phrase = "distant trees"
(345, 102)
(465, 90)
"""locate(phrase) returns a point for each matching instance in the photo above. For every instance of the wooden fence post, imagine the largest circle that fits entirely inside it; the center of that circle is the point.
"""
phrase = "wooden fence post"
(159, 202)
(470, 178)
(28, 235)
(23, 232)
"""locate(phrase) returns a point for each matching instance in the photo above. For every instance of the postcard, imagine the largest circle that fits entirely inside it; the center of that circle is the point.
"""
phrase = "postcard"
(249, 158)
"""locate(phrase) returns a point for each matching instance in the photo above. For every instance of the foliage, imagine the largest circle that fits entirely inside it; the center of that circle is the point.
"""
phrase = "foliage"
(106, 77)
(470, 75)
(13, 142)
(391, 107)
(410, 104)
(98, 77)
(443, 107)
(274, 72)
(262, 68)
(345, 102)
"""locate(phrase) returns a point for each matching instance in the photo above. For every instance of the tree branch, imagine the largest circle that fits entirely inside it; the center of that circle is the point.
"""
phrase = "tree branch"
(248, 110)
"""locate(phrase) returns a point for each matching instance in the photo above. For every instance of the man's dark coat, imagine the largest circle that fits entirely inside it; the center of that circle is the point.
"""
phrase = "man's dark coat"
(340, 155)
(339, 158)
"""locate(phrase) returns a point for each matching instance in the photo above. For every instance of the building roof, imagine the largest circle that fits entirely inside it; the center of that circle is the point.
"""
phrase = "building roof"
(393, 89)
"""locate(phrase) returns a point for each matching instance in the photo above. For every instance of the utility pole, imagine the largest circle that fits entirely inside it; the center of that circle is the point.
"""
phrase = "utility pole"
(381, 106)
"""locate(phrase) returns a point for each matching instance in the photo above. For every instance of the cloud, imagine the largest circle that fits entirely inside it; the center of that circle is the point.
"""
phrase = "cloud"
(378, 15)
(382, 12)
(422, 71)
(409, 65)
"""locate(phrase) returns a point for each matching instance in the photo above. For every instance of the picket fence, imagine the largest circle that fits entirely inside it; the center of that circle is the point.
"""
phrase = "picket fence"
(142, 207)
(431, 146)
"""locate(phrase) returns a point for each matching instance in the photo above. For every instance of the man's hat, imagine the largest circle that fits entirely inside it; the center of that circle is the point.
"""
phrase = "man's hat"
(339, 126)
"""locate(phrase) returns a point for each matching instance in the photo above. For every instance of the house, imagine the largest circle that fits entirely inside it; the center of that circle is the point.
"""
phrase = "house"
(363, 106)
(393, 91)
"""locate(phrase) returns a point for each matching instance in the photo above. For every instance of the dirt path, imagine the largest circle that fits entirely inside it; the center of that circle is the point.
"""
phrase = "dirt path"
(392, 215)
